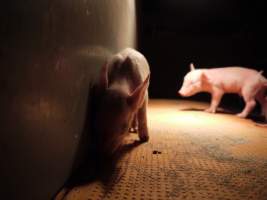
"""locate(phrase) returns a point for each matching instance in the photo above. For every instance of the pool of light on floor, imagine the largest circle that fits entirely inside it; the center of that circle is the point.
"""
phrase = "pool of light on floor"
(177, 117)
(187, 114)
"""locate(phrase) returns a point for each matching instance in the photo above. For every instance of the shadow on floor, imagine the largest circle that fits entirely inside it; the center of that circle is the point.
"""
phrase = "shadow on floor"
(255, 117)
(202, 110)
(97, 168)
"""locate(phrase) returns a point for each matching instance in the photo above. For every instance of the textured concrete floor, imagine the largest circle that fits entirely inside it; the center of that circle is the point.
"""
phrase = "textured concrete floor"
(191, 155)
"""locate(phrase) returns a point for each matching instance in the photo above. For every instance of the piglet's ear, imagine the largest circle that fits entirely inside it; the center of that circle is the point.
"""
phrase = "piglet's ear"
(103, 77)
(128, 61)
(137, 97)
(192, 67)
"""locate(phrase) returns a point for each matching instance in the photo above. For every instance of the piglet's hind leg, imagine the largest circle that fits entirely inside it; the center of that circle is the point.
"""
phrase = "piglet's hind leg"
(250, 104)
(248, 94)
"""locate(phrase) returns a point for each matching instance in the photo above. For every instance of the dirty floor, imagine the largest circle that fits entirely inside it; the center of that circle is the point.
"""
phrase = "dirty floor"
(191, 155)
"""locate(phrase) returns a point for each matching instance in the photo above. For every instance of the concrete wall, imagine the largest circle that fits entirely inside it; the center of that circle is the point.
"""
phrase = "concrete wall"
(50, 55)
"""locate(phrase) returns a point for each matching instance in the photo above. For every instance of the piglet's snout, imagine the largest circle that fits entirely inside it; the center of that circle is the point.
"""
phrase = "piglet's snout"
(180, 92)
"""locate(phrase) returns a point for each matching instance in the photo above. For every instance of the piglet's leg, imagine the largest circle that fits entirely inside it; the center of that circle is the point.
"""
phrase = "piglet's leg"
(260, 96)
(248, 94)
(134, 125)
(250, 104)
(215, 101)
(142, 123)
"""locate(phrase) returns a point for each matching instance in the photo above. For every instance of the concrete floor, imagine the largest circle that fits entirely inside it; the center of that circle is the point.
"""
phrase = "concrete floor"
(191, 155)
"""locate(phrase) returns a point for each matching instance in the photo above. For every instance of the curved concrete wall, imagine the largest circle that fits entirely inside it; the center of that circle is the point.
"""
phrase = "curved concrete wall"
(50, 54)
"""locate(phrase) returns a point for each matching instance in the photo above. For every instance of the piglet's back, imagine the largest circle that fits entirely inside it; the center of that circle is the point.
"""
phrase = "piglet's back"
(237, 74)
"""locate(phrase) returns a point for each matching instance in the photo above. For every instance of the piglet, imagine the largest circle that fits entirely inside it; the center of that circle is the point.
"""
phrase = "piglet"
(122, 97)
(248, 83)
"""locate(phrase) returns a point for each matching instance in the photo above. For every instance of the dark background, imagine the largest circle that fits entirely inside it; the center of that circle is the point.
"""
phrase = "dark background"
(210, 33)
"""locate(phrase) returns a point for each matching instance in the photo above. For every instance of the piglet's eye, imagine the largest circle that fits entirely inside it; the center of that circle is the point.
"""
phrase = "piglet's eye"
(190, 83)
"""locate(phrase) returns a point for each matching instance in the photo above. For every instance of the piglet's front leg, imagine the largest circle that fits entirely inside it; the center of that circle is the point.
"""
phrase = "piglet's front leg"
(142, 123)
(134, 125)
(215, 101)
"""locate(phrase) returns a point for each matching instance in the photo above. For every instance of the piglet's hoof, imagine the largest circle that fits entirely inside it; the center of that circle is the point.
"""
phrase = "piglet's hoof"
(133, 130)
(241, 115)
(209, 110)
